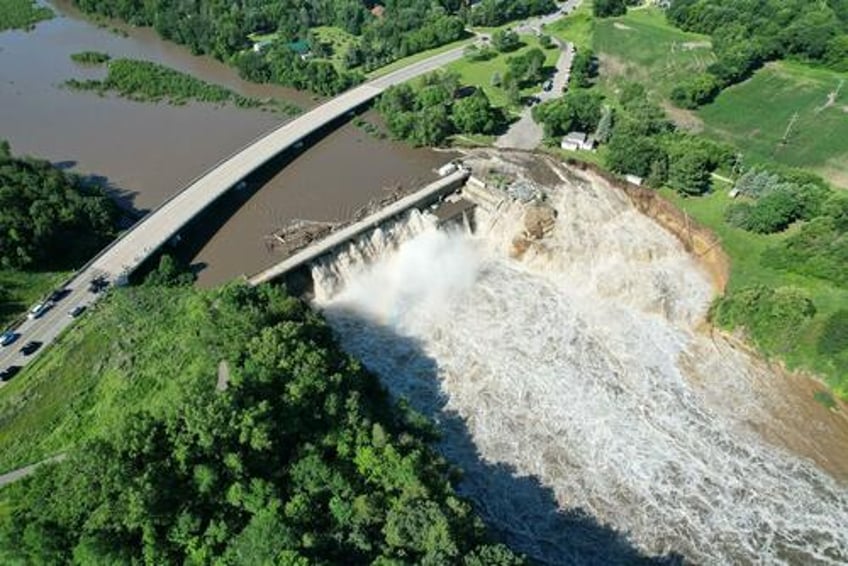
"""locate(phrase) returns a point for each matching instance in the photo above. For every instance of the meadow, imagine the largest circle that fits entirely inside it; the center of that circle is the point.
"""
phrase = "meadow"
(22, 14)
(811, 104)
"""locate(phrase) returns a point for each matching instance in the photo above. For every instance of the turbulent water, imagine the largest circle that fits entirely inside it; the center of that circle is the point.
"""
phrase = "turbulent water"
(593, 422)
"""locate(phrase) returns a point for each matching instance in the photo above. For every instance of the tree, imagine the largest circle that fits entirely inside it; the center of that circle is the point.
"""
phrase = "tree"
(474, 114)
(609, 8)
(689, 174)
(505, 40)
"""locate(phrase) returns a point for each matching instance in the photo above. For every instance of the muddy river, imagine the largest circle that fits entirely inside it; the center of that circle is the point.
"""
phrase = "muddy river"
(148, 152)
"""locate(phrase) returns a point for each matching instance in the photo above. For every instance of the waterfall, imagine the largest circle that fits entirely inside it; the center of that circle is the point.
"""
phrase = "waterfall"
(594, 422)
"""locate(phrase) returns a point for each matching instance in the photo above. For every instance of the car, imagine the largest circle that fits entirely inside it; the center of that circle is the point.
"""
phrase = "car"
(8, 337)
(98, 284)
(58, 295)
(30, 347)
(9, 373)
(548, 85)
(76, 311)
(38, 310)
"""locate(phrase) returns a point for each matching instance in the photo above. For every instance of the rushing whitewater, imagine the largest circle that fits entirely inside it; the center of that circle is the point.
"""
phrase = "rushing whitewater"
(593, 421)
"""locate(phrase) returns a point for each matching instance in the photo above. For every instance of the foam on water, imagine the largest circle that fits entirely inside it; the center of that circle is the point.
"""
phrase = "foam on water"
(578, 366)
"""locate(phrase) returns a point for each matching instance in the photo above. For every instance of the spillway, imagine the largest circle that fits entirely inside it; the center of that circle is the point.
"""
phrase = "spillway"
(595, 420)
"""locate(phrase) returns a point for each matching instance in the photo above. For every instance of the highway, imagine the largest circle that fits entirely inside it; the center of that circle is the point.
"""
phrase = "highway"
(137, 244)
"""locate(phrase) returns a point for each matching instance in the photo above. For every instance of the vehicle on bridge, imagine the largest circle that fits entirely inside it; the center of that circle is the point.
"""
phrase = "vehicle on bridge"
(38, 310)
(10, 372)
(30, 347)
(8, 337)
(76, 311)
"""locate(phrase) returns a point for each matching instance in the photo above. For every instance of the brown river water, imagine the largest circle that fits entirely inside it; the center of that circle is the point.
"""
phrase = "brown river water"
(148, 152)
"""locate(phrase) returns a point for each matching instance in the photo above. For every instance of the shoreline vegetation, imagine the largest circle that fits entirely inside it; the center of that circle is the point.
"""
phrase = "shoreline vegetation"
(22, 14)
(146, 81)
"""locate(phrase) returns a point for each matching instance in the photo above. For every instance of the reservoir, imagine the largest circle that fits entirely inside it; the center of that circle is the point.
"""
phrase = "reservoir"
(149, 152)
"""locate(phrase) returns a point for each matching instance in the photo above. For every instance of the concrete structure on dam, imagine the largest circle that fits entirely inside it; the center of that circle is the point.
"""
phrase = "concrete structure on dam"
(128, 252)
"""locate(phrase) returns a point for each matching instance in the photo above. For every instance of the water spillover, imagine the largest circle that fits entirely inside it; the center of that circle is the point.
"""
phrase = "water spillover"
(568, 383)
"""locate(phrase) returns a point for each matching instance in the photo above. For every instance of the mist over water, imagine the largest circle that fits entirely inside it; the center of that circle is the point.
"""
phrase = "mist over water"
(573, 378)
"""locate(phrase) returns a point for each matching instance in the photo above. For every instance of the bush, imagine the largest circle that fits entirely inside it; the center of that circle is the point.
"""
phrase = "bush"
(90, 57)
(773, 317)
(696, 91)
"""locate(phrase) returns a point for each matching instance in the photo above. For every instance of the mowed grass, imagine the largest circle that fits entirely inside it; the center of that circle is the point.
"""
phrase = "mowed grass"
(20, 290)
(641, 46)
(745, 250)
(81, 385)
(401, 63)
(754, 116)
(480, 73)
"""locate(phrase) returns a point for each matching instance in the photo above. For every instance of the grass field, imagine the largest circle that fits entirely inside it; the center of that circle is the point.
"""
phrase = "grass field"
(745, 250)
(82, 379)
(22, 14)
(641, 46)
(479, 73)
(755, 115)
(577, 27)
(22, 289)
(401, 63)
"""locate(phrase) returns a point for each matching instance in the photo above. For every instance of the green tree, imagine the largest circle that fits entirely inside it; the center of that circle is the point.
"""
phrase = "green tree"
(475, 115)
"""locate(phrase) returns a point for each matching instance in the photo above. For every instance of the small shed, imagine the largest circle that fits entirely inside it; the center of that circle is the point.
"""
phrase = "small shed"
(633, 180)
(577, 140)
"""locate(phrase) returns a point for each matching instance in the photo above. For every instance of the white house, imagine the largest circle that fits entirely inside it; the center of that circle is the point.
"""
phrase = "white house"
(633, 180)
(578, 140)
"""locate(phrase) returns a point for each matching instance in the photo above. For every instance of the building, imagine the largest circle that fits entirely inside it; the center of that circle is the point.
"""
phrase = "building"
(578, 140)
(633, 180)
(261, 45)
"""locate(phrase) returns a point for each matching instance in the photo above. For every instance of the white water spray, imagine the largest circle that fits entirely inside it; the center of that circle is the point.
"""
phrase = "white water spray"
(575, 393)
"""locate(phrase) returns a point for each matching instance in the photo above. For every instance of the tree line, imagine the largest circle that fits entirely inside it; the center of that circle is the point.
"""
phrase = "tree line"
(49, 218)
(400, 28)
(745, 35)
(298, 457)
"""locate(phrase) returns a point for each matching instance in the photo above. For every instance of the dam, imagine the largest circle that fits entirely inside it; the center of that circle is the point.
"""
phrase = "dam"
(560, 349)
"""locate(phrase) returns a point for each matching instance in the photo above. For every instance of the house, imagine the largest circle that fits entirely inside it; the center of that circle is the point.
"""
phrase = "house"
(734, 192)
(578, 140)
(633, 180)
(301, 47)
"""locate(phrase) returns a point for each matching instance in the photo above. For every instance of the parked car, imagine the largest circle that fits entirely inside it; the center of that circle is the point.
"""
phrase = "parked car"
(76, 311)
(548, 85)
(8, 337)
(9, 373)
(30, 347)
(38, 310)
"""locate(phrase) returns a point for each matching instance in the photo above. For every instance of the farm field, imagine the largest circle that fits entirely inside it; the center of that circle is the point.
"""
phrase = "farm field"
(755, 115)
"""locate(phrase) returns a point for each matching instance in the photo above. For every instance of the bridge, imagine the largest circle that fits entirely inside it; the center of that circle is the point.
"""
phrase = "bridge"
(147, 236)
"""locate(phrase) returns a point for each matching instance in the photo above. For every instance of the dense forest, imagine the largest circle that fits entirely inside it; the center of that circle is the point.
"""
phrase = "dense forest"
(47, 217)
(396, 29)
(746, 34)
(296, 456)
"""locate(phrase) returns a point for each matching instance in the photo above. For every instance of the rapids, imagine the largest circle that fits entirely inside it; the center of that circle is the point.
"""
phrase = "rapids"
(594, 418)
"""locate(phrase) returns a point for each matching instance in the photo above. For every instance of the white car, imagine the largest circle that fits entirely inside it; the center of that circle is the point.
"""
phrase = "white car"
(38, 310)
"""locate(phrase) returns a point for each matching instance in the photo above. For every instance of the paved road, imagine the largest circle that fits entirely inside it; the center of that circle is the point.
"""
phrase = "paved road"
(21, 473)
(525, 133)
(161, 225)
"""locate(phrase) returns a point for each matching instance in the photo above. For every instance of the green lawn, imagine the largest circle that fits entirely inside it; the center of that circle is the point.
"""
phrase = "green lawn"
(22, 14)
(576, 28)
(641, 46)
(754, 116)
(479, 73)
(745, 250)
(338, 39)
(22, 289)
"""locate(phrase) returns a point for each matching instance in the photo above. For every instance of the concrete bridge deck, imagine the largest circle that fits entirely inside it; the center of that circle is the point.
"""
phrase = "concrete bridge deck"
(129, 251)
(419, 199)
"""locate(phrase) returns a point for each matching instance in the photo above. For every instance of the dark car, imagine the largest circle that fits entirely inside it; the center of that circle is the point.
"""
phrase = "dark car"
(30, 347)
(76, 311)
(58, 295)
(9, 373)
(98, 284)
